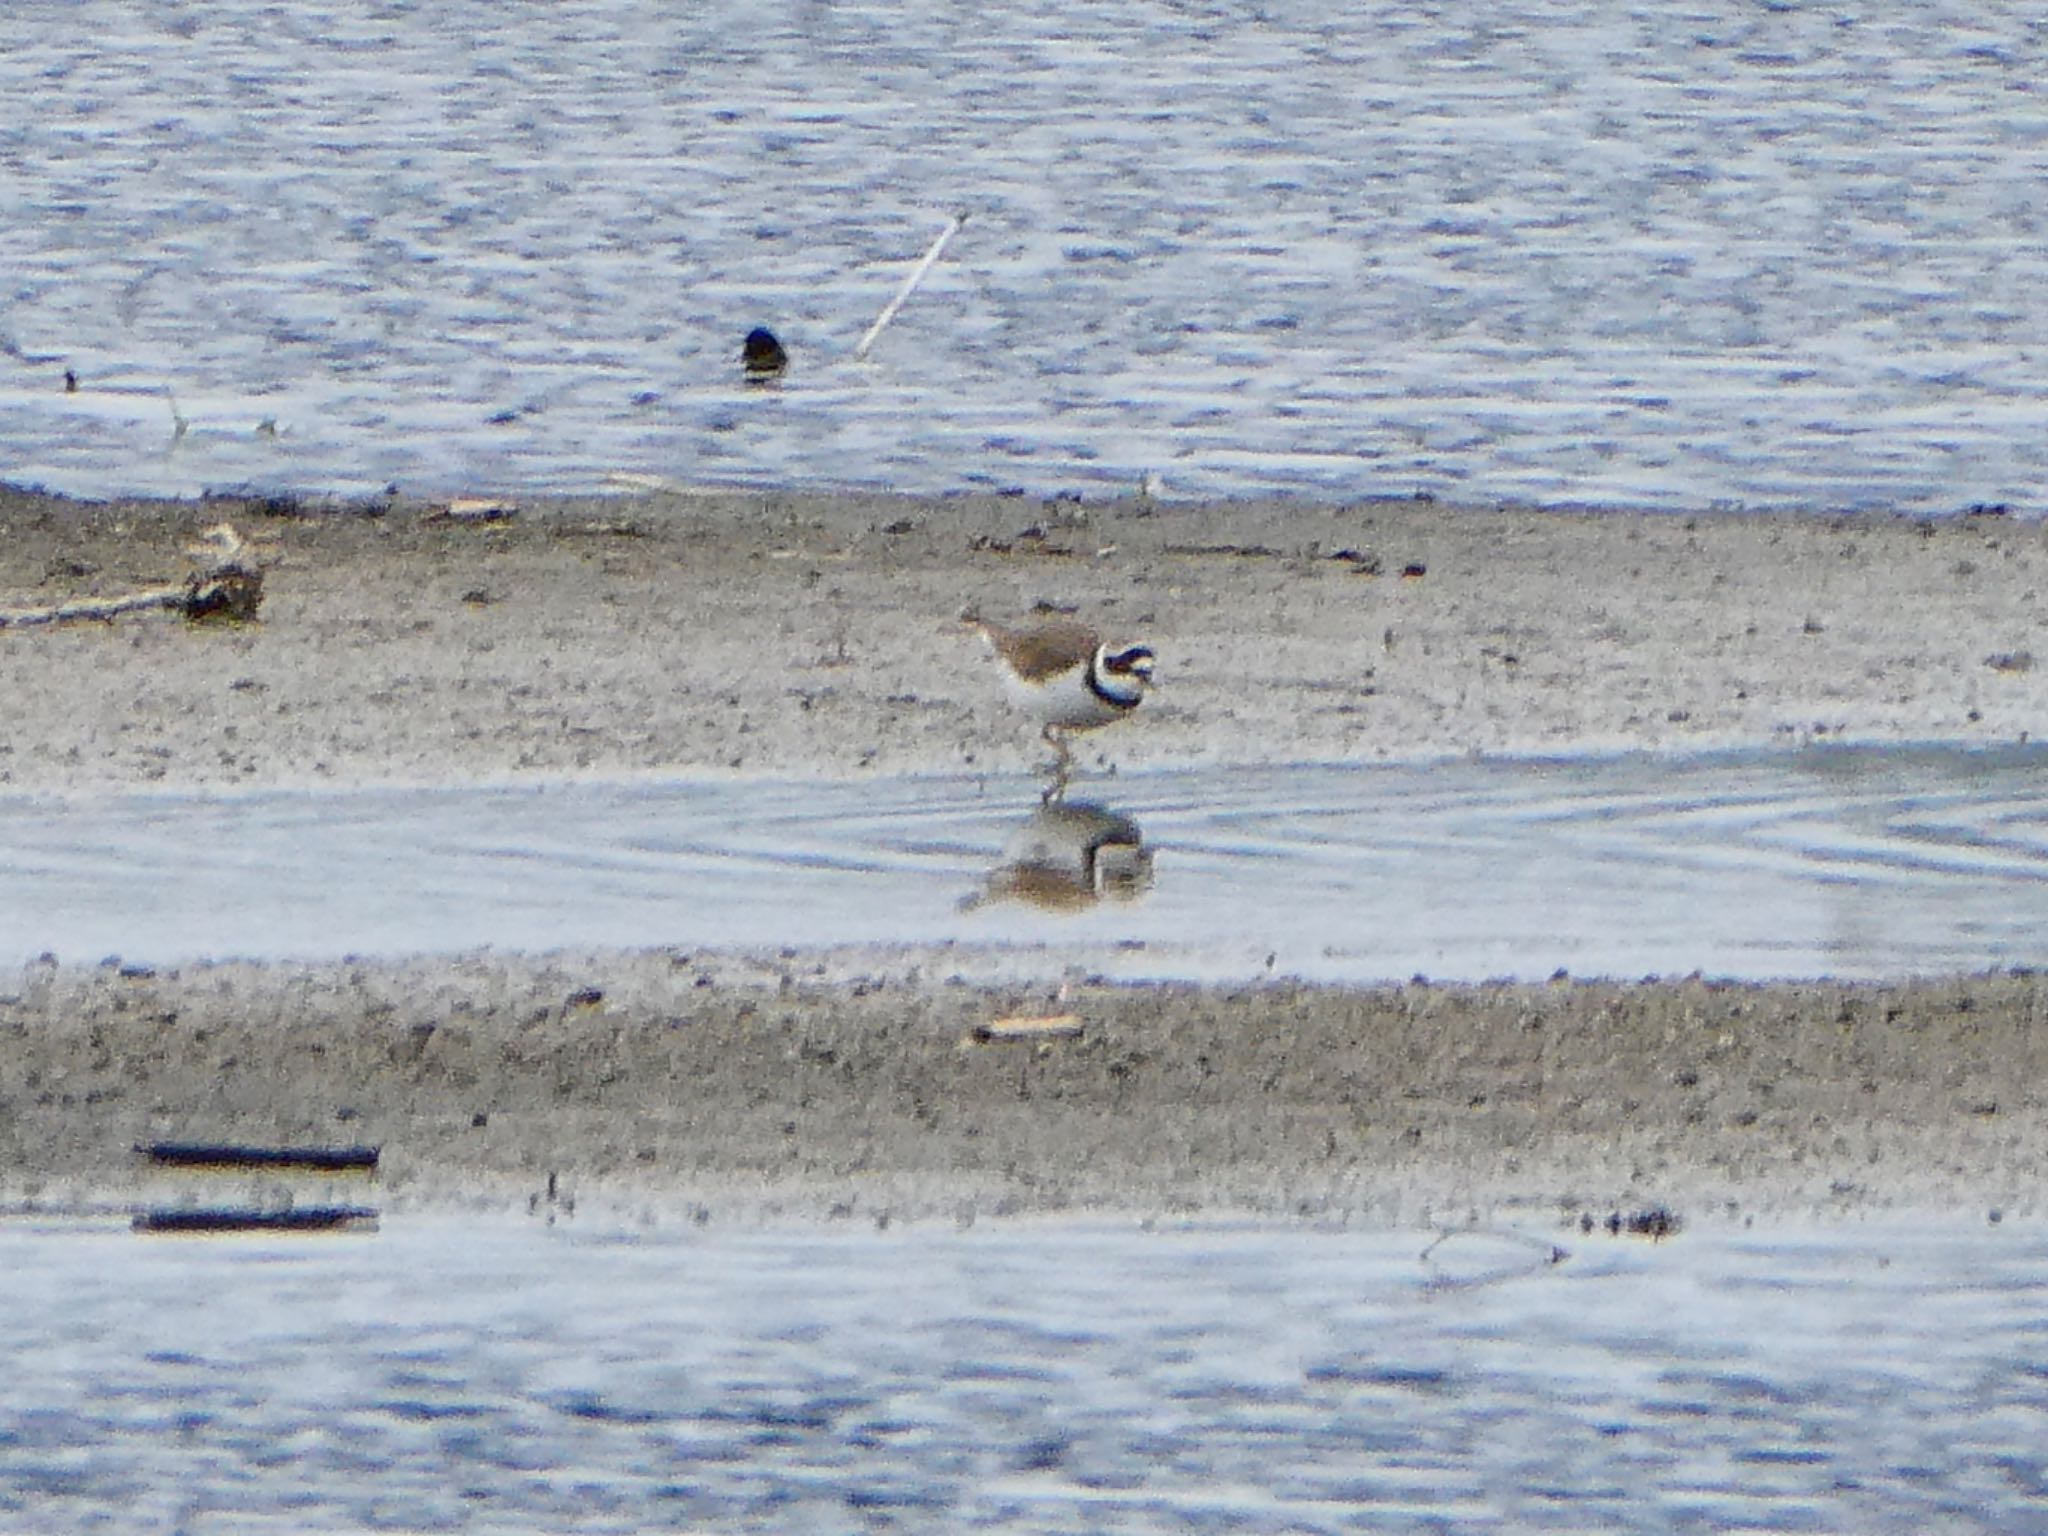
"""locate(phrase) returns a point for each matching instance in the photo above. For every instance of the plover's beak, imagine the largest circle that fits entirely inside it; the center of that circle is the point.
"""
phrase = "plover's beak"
(1134, 662)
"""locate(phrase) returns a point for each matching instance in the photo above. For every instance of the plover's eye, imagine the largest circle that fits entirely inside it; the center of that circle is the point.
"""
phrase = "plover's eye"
(1136, 661)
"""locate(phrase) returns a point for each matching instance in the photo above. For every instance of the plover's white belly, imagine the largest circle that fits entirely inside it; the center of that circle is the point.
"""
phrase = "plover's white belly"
(1066, 701)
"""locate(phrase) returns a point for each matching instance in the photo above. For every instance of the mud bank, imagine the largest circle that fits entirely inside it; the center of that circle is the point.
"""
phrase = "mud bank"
(813, 635)
(862, 1086)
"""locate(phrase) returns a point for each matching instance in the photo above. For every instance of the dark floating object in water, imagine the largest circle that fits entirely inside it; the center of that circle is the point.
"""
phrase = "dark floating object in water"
(199, 1154)
(308, 1218)
(70, 382)
(762, 354)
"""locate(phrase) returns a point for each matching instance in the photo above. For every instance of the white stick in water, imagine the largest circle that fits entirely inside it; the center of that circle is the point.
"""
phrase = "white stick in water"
(909, 286)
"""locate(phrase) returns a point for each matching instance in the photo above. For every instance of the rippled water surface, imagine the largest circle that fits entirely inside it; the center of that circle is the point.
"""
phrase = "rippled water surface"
(1864, 1379)
(1841, 862)
(1680, 256)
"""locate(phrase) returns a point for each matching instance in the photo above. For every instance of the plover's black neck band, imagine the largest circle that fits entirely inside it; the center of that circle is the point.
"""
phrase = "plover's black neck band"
(1103, 691)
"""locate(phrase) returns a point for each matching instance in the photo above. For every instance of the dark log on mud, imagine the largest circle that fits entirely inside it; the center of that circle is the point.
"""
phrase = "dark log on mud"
(227, 584)
(195, 1154)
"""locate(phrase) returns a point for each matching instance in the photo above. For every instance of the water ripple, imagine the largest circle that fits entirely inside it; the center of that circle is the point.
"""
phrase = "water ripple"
(1588, 252)
(1845, 862)
(1866, 1377)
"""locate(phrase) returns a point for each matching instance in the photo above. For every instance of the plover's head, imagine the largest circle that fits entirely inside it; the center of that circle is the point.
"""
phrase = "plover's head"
(1133, 663)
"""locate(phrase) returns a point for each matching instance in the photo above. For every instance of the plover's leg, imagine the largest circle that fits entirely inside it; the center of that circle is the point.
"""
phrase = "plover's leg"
(1062, 764)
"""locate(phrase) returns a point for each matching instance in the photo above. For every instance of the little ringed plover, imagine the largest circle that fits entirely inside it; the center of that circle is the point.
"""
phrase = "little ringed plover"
(1066, 676)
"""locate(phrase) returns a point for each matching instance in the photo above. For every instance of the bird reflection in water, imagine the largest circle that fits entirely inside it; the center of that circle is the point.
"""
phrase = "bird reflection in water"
(1067, 856)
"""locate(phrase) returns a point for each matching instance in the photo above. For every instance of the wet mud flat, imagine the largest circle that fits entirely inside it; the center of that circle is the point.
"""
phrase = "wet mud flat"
(814, 635)
(873, 1087)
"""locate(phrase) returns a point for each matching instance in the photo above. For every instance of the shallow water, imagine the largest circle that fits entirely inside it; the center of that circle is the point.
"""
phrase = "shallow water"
(1861, 1378)
(1718, 254)
(1853, 863)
